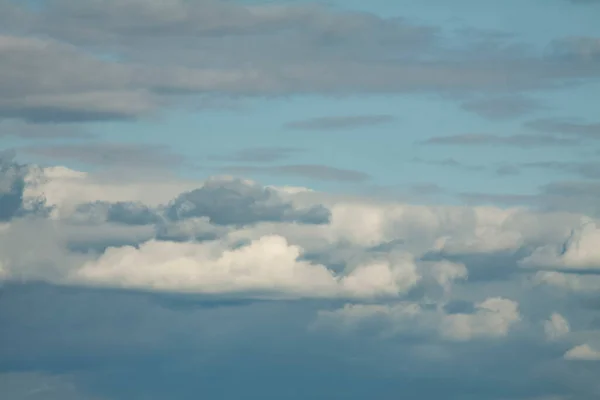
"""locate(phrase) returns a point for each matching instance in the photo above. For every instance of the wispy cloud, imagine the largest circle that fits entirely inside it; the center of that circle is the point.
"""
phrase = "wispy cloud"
(498, 108)
(110, 154)
(259, 154)
(517, 140)
(340, 123)
(312, 171)
(566, 127)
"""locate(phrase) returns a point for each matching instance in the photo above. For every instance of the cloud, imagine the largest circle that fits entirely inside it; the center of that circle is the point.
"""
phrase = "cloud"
(237, 202)
(110, 154)
(493, 318)
(573, 196)
(28, 131)
(128, 213)
(579, 251)
(376, 281)
(267, 267)
(69, 62)
(340, 123)
(12, 190)
(260, 154)
(578, 47)
(582, 353)
(48, 81)
(519, 140)
(566, 127)
(568, 282)
(311, 171)
(450, 162)
(589, 170)
(37, 386)
(499, 108)
(556, 327)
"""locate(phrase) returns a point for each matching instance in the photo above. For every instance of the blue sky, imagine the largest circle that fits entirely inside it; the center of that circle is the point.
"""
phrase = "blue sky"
(447, 248)
(198, 128)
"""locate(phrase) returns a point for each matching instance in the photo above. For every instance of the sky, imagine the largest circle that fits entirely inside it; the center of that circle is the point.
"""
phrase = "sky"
(297, 199)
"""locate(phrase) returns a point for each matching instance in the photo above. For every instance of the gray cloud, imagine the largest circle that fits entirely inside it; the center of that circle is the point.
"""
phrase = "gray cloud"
(572, 196)
(238, 203)
(127, 213)
(450, 162)
(12, 187)
(589, 170)
(506, 170)
(312, 171)
(340, 123)
(48, 81)
(518, 140)
(566, 127)
(241, 49)
(110, 154)
(259, 154)
(499, 108)
(28, 131)
(582, 48)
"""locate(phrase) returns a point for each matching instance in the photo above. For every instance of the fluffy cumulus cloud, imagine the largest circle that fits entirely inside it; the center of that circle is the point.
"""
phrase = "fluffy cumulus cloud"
(435, 283)
(493, 318)
(267, 266)
(556, 327)
(579, 250)
(583, 352)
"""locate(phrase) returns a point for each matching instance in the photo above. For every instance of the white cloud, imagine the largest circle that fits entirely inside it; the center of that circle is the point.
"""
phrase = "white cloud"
(446, 272)
(583, 353)
(267, 267)
(571, 282)
(579, 251)
(556, 327)
(402, 316)
(493, 319)
(64, 188)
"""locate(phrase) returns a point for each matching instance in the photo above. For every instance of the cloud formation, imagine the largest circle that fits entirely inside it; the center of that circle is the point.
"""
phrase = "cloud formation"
(436, 283)
(518, 140)
(499, 108)
(339, 123)
(70, 62)
(312, 171)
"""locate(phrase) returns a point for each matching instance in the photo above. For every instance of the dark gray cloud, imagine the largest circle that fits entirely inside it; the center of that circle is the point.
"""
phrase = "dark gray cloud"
(243, 49)
(340, 123)
(518, 140)
(48, 81)
(259, 154)
(311, 171)
(498, 108)
(12, 187)
(566, 127)
(110, 154)
(127, 213)
(238, 203)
